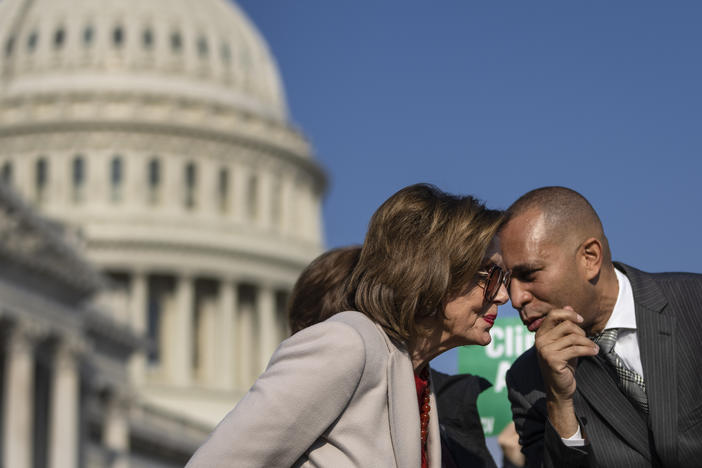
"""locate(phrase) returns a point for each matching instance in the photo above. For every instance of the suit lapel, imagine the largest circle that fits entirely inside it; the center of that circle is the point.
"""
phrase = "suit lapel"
(596, 385)
(402, 398)
(655, 331)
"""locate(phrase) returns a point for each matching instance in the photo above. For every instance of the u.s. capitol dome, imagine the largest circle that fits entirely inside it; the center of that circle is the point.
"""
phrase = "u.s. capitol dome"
(157, 132)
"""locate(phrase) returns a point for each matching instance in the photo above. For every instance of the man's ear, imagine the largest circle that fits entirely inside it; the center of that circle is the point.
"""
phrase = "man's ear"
(590, 254)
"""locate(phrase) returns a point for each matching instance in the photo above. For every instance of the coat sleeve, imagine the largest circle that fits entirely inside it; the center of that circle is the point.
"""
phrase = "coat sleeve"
(308, 383)
(528, 422)
(541, 444)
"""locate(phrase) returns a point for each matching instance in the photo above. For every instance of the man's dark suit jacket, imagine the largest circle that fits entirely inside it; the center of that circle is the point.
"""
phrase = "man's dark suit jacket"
(669, 329)
(461, 429)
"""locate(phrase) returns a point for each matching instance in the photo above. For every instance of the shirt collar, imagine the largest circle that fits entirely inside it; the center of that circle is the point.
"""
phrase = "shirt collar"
(624, 312)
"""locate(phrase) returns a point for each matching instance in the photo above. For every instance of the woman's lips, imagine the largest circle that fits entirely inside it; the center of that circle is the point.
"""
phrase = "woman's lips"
(535, 324)
(490, 319)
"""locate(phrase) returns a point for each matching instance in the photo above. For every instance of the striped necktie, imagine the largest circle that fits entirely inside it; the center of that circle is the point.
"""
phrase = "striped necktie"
(630, 382)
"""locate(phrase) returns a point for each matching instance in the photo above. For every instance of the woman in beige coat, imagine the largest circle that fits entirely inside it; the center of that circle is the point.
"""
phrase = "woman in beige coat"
(353, 391)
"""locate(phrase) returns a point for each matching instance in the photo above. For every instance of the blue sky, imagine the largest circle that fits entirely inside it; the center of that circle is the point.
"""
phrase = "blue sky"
(496, 98)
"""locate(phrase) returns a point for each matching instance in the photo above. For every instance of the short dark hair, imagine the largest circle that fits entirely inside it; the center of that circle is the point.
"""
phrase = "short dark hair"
(422, 249)
(321, 290)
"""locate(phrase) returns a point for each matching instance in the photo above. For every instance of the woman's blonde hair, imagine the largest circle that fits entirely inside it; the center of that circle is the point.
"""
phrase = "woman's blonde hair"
(423, 248)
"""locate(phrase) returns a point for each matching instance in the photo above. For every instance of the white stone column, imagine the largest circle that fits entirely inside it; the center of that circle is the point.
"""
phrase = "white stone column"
(181, 340)
(165, 333)
(267, 329)
(288, 218)
(316, 216)
(138, 318)
(63, 416)
(208, 311)
(115, 435)
(18, 400)
(245, 344)
(135, 181)
(226, 330)
(265, 197)
(173, 183)
(97, 179)
(239, 177)
(207, 187)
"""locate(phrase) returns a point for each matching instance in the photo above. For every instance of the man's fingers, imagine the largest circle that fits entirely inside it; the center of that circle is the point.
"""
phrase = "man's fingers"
(578, 351)
(563, 329)
(566, 342)
(557, 316)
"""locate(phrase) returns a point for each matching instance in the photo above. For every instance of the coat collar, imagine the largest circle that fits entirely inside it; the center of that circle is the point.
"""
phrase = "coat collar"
(403, 412)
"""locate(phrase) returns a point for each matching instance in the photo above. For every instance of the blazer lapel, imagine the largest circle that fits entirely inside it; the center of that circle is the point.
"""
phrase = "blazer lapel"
(596, 385)
(656, 335)
(403, 410)
(434, 437)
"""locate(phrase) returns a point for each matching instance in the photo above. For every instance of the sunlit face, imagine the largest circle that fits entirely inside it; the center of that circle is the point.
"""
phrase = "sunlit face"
(468, 318)
(545, 273)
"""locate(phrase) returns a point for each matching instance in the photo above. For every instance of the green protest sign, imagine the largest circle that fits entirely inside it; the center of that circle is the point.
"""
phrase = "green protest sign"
(510, 338)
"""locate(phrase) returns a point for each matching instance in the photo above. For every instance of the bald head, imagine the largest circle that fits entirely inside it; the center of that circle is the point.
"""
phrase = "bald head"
(554, 245)
(565, 215)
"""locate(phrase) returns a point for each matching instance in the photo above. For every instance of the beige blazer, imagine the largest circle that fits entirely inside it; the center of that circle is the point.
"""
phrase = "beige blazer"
(337, 394)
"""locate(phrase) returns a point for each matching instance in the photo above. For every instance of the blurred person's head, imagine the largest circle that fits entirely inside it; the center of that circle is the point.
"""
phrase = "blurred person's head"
(554, 245)
(321, 290)
(422, 274)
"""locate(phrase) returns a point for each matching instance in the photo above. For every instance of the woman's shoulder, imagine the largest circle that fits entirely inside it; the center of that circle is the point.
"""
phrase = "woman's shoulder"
(350, 334)
(375, 341)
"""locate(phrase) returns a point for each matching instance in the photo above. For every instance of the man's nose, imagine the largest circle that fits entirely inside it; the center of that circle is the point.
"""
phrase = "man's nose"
(518, 295)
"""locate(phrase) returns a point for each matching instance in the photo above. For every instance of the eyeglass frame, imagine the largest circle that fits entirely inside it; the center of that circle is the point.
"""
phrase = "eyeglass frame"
(504, 277)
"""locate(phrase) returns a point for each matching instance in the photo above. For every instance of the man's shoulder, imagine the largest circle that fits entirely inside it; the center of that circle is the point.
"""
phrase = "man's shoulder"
(672, 285)
(661, 277)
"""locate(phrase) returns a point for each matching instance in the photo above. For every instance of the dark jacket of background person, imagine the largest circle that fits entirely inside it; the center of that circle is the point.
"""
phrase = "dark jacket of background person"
(669, 328)
(461, 429)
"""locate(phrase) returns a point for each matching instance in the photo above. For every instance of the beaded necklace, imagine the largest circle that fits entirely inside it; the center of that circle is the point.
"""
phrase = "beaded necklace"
(424, 402)
(424, 416)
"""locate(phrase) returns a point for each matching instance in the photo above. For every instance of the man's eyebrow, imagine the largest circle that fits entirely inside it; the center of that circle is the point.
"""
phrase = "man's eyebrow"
(524, 268)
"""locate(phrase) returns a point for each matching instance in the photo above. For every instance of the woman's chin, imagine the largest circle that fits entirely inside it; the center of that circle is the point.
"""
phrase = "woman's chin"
(486, 338)
(483, 339)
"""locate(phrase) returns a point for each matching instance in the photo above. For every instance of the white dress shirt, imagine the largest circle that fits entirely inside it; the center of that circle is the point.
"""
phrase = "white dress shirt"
(627, 345)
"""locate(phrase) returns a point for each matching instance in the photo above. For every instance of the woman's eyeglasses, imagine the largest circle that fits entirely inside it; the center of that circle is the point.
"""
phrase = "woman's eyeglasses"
(493, 278)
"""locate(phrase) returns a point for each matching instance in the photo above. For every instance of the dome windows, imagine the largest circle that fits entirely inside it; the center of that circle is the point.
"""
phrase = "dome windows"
(6, 173)
(116, 176)
(88, 35)
(202, 47)
(190, 185)
(154, 181)
(78, 178)
(118, 36)
(59, 37)
(147, 39)
(223, 189)
(32, 41)
(41, 178)
(9, 46)
(176, 42)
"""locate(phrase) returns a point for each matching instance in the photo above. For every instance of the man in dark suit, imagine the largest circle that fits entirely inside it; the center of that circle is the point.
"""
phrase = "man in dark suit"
(634, 399)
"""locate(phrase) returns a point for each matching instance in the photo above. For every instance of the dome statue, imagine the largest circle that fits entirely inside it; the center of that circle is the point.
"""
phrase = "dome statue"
(157, 132)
